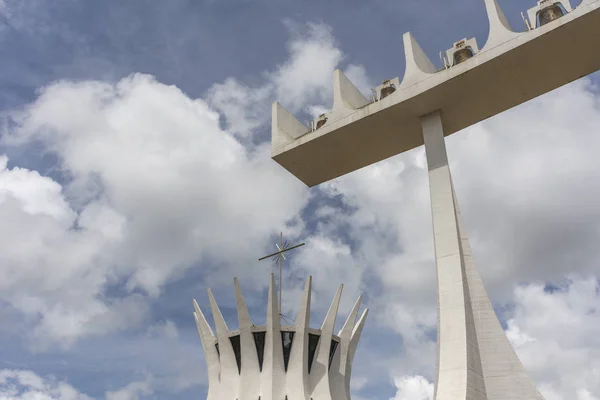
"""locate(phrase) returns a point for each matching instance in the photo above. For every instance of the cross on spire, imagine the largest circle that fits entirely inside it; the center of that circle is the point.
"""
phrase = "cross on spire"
(279, 256)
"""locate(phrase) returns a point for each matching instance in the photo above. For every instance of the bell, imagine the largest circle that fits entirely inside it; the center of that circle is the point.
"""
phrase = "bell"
(386, 91)
(462, 55)
(321, 121)
(550, 13)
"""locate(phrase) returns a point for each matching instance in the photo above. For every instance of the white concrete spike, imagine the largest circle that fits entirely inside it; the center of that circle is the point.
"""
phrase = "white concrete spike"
(204, 327)
(319, 373)
(273, 373)
(297, 373)
(220, 324)
(285, 128)
(242, 309)
(250, 379)
(418, 65)
(346, 97)
(337, 373)
(356, 332)
(329, 320)
(346, 330)
(500, 29)
(213, 364)
(303, 317)
(230, 377)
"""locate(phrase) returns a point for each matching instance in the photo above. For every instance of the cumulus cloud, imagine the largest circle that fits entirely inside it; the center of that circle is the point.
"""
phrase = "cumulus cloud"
(173, 187)
(26, 385)
(413, 388)
(132, 391)
(556, 332)
(150, 185)
(303, 82)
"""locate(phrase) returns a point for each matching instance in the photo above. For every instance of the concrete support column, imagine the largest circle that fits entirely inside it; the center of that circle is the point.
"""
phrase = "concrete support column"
(459, 369)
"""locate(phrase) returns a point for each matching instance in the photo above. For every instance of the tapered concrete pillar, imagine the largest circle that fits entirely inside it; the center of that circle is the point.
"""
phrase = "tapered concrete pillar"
(475, 359)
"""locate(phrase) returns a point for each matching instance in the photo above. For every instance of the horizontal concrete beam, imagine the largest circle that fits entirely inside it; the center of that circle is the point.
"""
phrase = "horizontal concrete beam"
(512, 68)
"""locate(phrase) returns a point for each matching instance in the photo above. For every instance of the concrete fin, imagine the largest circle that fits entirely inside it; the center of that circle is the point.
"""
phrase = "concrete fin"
(500, 30)
(418, 65)
(204, 328)
(213, 364)
(319, 374)
(356, 332)
(220, 324)
(297, 373)
(346, 330)
(229, 369)
(273, 374)
(504, 375)
(285, 128)
(345, 95)
(339, 365)
(242, 309)
(250, 378)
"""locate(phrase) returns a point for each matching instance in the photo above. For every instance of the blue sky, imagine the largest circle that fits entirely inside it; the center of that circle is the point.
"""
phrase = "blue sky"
(135, 171)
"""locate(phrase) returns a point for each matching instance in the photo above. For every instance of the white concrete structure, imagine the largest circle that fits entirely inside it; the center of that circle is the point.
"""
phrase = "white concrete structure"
(275, 362)
(510, 69)
(475, 359)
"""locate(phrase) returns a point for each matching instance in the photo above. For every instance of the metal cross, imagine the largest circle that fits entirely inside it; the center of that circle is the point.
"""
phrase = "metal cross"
(278, 256)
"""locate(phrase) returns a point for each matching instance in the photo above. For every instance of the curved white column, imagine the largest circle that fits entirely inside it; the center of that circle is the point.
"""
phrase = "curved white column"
(229, 373)
(319, 374)
(475, 359)
(249, 388)
(297, 374)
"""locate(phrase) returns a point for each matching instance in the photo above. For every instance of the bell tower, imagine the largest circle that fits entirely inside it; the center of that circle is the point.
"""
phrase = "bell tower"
(475, 360)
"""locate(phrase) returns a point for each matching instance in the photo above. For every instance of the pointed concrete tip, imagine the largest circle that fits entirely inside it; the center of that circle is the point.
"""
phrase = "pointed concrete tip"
(348, 327)
(242, 309)
(360, 324)
(500, 30)
(303, 317)
(417, 61)
(285, 128)
(346, 95)
(333, 309)
(204, 328)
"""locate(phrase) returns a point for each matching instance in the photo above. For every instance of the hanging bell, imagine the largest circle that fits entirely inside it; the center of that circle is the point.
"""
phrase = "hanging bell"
(462, 55)
(550, 13)
(322, 120)
(386, 91)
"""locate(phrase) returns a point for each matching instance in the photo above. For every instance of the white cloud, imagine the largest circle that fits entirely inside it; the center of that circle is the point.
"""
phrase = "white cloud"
(166, 329)
(173, 189)
(557, 335)
(303, 82)
(413, 388)
(26, 385)
(153, 187)
(132, 391)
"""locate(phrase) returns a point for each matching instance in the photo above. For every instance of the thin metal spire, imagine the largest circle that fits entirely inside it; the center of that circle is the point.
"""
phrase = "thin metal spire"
(278, 256)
